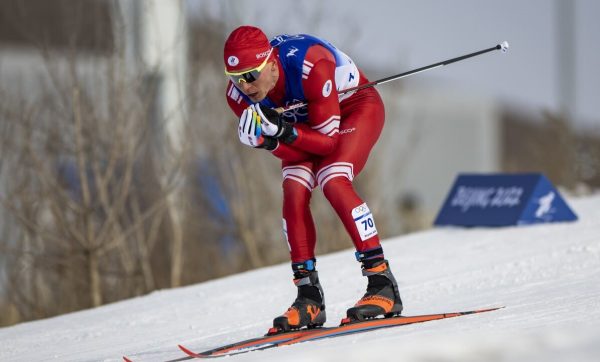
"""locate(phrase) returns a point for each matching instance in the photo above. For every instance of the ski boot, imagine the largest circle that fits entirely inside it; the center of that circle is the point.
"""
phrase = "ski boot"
(308, 310)
(382, 297)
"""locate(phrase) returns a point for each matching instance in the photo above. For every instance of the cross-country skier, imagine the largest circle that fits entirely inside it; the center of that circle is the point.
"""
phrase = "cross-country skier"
(325, 143)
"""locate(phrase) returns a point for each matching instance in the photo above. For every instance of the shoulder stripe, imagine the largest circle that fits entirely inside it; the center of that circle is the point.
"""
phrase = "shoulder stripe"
(306, 68)
(234, 94)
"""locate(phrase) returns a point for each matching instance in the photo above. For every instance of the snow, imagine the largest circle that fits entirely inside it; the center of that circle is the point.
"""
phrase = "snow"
(547, 276)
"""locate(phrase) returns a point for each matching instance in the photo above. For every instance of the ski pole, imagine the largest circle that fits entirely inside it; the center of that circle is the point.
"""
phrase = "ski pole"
(502, 47)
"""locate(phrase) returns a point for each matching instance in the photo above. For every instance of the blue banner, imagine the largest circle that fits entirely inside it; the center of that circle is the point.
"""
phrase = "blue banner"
(503, 200)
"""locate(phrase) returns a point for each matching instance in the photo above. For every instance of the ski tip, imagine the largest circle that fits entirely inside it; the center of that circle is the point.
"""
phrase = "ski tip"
(484, 310)
(188, 352)
(184, 349)
(126, 359)
(493, 308)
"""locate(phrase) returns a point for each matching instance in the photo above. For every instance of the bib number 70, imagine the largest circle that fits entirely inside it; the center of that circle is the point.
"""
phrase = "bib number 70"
(363, 219)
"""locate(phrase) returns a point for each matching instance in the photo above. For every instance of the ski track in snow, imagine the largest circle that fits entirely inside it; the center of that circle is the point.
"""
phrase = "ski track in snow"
(547, 276)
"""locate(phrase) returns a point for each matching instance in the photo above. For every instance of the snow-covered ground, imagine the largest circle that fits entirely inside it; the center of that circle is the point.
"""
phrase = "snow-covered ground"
(547, 276)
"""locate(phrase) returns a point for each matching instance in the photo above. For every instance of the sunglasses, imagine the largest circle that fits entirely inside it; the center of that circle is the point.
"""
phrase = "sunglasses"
(249, 76)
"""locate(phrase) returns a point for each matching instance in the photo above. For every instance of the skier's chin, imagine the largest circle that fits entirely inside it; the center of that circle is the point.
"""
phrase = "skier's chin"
(256, 97)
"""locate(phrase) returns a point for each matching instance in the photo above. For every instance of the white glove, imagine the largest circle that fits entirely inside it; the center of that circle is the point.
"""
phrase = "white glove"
(272, 124)
(249, 129)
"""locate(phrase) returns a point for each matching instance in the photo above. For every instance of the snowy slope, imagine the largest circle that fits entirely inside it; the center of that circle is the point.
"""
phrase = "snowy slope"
(547, 276)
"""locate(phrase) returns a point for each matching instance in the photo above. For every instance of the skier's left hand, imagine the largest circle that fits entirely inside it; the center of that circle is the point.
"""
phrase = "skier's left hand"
(272, 124)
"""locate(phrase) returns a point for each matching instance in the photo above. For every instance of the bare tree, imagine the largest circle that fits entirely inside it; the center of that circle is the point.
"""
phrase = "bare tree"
(84, 193)
(80, 185)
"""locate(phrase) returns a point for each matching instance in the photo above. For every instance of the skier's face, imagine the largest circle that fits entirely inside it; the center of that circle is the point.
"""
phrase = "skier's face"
(258, 89)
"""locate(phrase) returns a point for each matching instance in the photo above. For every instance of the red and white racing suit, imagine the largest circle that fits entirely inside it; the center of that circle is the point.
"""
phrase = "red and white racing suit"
(331, 149)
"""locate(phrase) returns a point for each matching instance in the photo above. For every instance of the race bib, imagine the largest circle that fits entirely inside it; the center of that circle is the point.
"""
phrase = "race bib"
(363, 219)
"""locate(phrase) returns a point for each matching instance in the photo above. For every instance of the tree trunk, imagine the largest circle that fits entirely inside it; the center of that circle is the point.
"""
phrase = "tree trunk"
(94, 279)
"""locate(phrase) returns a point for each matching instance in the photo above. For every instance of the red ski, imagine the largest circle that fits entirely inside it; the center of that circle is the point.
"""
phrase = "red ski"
(347, 327)
(246, 345)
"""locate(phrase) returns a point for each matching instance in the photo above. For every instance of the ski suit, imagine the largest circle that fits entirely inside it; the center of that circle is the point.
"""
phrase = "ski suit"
(335, 137)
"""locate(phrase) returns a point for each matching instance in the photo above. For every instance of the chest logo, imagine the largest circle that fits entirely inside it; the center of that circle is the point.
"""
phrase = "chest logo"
(327, 87)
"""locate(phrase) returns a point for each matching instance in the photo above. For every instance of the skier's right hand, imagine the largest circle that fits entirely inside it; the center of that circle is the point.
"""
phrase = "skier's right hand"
(250, 131)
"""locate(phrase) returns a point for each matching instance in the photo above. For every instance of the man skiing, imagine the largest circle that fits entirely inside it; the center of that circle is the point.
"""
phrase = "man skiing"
(325, 143)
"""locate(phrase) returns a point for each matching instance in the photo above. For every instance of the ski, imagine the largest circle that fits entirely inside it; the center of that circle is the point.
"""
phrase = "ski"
(347, 327)
(352, 327)
(256, 343)
(253, 344)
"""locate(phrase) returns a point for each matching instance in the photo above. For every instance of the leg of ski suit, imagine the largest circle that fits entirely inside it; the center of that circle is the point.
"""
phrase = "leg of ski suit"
(362, 118)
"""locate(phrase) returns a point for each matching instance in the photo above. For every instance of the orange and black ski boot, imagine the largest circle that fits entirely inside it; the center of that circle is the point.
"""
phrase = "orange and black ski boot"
(308, 310)
(382, 297)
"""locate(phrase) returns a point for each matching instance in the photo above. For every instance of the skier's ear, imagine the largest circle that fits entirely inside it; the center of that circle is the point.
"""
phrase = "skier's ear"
(273, 66)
